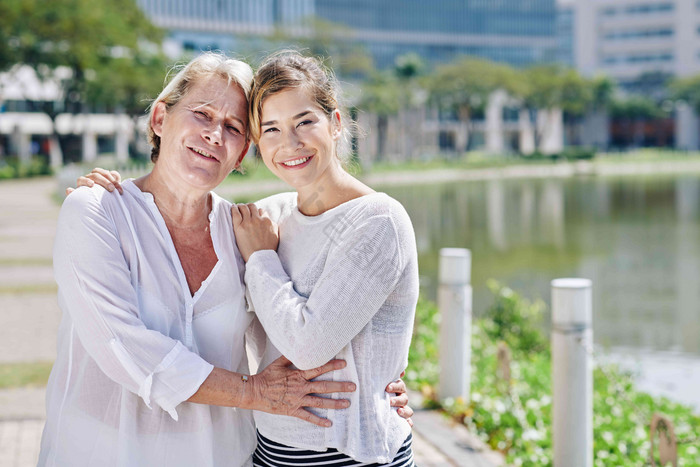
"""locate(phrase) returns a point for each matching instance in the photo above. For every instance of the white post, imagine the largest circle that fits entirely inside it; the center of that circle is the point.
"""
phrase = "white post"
(686, 128)
(494, 122)
(455, 304)
(527, 133)
(55, 153)
(121, 145)
(550, 125)
(24, 148)
(572, 372)
(89, 145)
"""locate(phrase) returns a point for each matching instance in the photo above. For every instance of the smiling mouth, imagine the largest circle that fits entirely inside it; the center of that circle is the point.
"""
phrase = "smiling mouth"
(296, 162)
(204, 154)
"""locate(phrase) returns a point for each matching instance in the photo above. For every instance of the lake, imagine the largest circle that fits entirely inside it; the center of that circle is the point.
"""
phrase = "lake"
(637, 239)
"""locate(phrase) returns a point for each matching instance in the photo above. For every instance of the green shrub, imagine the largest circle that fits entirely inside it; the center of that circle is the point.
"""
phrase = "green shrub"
(11, 167)
(515, 321)
(578, 153)
(515, 417)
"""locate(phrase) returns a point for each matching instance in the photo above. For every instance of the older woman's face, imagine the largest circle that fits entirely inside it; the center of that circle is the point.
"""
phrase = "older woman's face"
(203, 137)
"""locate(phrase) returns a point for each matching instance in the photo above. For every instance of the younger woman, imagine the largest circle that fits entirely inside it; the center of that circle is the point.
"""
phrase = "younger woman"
(343, 281)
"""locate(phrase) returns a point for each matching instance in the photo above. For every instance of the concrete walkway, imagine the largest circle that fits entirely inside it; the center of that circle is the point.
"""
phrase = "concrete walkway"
(29, 317)
(436, 440)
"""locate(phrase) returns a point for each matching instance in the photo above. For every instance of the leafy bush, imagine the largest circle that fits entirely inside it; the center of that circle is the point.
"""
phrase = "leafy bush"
(570, 153)
(11, 167)
(423, 366)
(515, 417)
(514, 321)
(578, 153)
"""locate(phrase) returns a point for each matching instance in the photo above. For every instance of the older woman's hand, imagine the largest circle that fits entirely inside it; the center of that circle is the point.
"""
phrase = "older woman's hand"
(254, 230)
(281, 390)
(400, 399)
(108, 179)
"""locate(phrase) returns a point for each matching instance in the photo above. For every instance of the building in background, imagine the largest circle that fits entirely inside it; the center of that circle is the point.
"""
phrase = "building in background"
(565, 32)
(518, 32)
(628, 39)
(641, 44)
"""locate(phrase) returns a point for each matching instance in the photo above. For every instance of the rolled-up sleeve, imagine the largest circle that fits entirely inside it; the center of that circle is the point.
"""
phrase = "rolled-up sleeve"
(95, 288)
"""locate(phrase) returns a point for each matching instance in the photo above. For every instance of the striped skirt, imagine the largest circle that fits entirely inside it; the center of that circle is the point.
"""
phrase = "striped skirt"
(270, 453)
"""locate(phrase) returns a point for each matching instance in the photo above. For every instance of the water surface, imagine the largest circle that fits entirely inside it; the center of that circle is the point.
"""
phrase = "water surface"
(637, 238)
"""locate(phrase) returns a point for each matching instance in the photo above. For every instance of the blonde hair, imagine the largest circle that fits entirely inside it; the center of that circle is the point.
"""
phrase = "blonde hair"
(290, 70)
(203, 66)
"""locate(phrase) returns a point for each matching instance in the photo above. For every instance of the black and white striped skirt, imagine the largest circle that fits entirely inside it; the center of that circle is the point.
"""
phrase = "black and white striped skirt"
(270, 453)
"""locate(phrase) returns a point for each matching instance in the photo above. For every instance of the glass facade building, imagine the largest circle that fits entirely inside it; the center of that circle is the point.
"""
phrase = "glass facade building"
(519, 32)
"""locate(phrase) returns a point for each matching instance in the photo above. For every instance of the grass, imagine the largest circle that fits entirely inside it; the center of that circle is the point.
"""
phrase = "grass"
(25, 261)
(480, 160)
(255, 170)
(648, 155)
(14, 375)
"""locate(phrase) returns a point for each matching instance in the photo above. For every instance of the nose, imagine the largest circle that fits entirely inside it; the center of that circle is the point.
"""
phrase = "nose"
(293, 141)
(212, 134)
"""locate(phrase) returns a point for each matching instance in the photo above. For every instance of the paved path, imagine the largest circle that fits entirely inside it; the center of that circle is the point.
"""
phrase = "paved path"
(29, 312)
(29, 317)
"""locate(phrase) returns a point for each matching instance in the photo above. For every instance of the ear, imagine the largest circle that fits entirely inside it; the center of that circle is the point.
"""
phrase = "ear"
(243, 153)
(159, 111)
(336, 124)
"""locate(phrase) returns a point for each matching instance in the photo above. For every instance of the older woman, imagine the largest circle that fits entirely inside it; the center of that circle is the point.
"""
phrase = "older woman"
(151, 367)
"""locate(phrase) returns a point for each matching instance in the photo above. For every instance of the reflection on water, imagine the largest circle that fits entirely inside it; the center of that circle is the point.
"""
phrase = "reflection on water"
(638, 239)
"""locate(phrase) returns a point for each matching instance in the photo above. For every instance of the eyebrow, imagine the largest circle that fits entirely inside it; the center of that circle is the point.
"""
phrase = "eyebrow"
(199, 104)
(299, 115)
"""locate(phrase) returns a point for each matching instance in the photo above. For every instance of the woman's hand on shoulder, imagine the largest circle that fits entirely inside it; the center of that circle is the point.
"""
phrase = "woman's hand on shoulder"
(254, 230)
(108, 179)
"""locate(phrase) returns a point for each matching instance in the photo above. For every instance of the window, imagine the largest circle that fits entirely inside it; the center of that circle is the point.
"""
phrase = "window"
(649, 8)
(639, 34)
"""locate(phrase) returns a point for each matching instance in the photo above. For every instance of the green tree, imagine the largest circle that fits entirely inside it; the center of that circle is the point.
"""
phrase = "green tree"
(9, 11)
(633, 112)
(466, 84)
(602, 90)
(103, 53)
(547, 87)
(322, 38)
(688, 90)
(381, 97)
(385, 93)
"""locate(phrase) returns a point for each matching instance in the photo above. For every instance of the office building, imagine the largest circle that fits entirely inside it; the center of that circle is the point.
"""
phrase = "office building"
(518, 32)
(641, 44)
(627, 39)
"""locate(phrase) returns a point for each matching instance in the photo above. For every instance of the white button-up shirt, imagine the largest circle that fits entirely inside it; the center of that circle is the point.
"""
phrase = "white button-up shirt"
(134, 344)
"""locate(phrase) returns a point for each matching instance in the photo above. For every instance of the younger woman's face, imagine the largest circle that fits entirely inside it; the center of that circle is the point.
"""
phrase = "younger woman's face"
(297, 138)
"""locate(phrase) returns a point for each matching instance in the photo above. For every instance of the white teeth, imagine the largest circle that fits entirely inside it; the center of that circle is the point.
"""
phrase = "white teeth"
(199, 151)
(295, 162)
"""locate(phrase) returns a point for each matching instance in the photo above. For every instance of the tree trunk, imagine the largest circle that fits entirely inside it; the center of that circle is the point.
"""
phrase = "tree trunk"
(382, 126)
(465, 117)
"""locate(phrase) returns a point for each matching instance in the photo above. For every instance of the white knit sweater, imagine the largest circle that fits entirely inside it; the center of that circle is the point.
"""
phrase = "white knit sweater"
(342, 284)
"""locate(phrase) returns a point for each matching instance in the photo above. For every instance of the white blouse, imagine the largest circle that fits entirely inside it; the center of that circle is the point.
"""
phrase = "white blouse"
(342, 284)
(134, 344)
